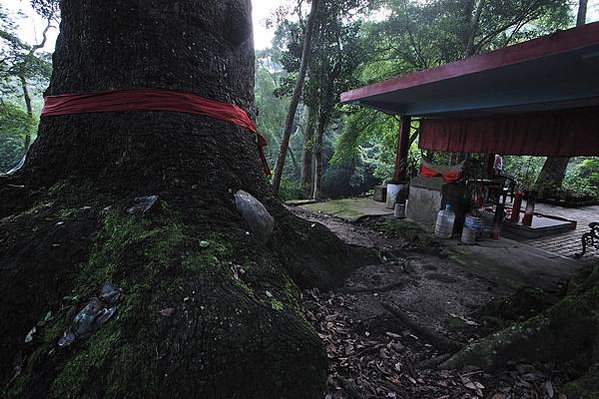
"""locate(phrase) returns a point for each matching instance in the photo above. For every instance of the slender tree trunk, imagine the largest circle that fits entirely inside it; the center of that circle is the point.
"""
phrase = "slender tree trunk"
(318, 163)
(581, 18)
(209, 309)
(27, 99)
(296, 166)
(473, 28)
(307, 154)
(554, 170)
(295, 99)
(466, 21)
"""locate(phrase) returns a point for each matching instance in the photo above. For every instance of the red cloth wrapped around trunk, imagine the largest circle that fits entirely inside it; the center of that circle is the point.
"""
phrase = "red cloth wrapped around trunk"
(153, 100)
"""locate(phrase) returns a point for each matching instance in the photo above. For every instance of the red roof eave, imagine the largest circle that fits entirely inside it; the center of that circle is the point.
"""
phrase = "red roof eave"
(556, 43)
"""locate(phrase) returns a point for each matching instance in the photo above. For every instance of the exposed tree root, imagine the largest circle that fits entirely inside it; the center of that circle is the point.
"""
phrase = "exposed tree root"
(367, 290)
(433, 338)
(566, 332)
(236, 329)
(430, 363)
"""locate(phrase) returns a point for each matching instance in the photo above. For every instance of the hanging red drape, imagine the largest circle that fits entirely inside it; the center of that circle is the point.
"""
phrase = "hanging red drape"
(557, 133)
(153, 100)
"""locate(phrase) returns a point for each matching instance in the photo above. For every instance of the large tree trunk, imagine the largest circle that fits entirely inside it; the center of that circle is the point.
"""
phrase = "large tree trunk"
(233, 326)
(552, 175)
(307, 154)
(295, 99)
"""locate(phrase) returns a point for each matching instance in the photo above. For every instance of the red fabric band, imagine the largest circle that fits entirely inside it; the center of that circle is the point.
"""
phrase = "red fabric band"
(153, 100)
(449, 174)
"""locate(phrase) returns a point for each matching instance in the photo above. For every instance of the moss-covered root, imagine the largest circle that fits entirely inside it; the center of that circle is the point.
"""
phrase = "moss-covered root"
(566, 331)
(233, 329)
(586, 387)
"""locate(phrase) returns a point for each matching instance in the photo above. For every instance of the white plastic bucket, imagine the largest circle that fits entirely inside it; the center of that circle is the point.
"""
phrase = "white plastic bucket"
(468, 236)
(476, 224)
(392, 191)
(400, 211)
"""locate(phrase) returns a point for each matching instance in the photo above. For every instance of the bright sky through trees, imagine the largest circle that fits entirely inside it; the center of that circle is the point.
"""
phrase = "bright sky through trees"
(262, 9)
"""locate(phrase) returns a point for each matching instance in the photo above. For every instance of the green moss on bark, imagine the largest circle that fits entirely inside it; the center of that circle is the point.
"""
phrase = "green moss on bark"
(565, 332)
(224, 322)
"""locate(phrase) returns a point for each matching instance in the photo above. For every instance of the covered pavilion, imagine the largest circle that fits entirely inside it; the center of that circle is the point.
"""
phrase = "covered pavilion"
(539, 98)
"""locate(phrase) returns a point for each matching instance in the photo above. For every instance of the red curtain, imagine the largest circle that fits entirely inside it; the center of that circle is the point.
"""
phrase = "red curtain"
(556, 133)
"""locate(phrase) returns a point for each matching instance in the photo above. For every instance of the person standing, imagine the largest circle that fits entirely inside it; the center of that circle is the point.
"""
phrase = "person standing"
(498, 165)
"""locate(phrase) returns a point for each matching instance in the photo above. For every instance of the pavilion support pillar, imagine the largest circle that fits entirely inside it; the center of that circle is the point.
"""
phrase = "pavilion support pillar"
(403, 148)
(490, 165)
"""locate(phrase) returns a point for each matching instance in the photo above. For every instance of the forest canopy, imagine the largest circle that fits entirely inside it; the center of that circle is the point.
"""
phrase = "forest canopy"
(357, 42)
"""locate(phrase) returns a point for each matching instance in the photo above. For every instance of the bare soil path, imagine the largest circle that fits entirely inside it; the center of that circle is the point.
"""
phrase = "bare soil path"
(375, 353)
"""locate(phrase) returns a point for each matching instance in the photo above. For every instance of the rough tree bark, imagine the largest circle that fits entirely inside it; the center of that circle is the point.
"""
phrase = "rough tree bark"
(233, 326)
(552, 175)
(295, 98)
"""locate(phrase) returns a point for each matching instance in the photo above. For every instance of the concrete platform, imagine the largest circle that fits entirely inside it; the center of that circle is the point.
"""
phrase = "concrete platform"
(542, 226)
(350, 209)
(510, 265)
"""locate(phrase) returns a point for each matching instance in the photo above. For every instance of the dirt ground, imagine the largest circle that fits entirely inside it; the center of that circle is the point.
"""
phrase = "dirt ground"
(391, 324)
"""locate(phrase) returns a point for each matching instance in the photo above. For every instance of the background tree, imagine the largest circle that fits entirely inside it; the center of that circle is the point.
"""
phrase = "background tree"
(421, 35)
(297, 93)
(231, 324)
(16, 126)
(337, 52)
(552, 175)
(24, 63)
(23, 68)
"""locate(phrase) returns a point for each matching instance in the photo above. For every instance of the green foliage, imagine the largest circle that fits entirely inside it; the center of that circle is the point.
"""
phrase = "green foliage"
(272, 109)
(15, 124)
(46, 8)
(420, 35)
(289, 190)
(581, 182)
(336, 52)
(582, 178)
(525, 169)
(21, 61)
(369, 138)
